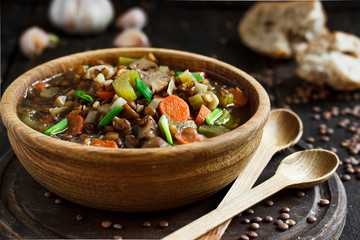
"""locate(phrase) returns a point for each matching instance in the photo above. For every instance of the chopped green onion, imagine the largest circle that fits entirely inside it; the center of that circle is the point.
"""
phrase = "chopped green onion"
(126, 61)
(212, 131)
(84, 96)
(163, 123)
(211, 118)
(196, 75)
(57, 127)
(224, 118)
(143, 89)
(107, 119)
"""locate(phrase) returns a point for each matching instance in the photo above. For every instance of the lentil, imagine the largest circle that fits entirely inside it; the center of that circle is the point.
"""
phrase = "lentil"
(310, 139)
(300, 194)
(325, 138)
(59, 201)
(257, 219)
(283, 226)
(79, 217)
(146, 224)
(269, 203)
(117, 226)
(311, 219)
(284, 216)
(244, 237)
(106, 224)
(346, 177)
(316, 116)
(290, 222)
(279, 222)
(49, 194)
(246, 221)
(324, 202)
(164, 224)
(268, 218)
(118, 237)
(252, 234)
(285, 210)
(250, 211)
(254, 226)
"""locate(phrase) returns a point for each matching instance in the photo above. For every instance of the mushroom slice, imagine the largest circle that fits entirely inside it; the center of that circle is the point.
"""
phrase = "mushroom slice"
(157, 81)
(155, 142)
(144, 66)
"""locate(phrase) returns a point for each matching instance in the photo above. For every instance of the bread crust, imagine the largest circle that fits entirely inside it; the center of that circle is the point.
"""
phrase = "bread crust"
(333, 60)
(280, 29)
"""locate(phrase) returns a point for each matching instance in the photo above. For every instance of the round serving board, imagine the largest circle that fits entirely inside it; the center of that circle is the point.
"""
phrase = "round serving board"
(27, 213)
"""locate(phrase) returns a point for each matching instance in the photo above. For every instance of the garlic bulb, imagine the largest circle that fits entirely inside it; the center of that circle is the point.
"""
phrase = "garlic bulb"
(34, 40)
(132, 18)
(81, 16)
(131, 38)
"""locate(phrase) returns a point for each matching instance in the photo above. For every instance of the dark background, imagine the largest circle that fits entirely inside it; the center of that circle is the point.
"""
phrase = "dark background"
(208, 28)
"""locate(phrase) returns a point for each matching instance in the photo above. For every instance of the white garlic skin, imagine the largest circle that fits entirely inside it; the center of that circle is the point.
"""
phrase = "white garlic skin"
(131, 38)
(135, 17)
(33, 41)
(81, 16)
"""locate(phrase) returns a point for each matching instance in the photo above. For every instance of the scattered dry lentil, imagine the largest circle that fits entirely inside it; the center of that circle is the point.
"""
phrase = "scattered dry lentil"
(146, 224)
(106, 224)
(254, 226)
(49, 194)
(246, 221)
(285, 210)
(244, 237)
(117, 226)
(324, 202)
(268, 218)
(290, 222)
(59, 201)
(252, 234)
(300, 194)
(250, 211)
(117, 237)
(283, 226)
(164, 224)
(284, 216)
(269, 203)
(79, 217)
(346, 177)
(310, 140)
(311, 219)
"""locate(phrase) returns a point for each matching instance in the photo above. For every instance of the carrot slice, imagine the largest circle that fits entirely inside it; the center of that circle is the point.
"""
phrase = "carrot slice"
(41, 85)
(239, 97)
(103, 143)
(175, 108)
(103, 94)
(75, 124)
(188, 135)
(203, 113)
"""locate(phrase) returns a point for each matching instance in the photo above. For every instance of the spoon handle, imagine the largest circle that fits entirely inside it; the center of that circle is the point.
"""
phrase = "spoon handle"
(230, 209)
(243, 183)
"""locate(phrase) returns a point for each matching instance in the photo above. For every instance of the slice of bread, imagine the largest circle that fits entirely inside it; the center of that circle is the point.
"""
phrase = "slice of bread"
(280, 29)
(332, 59)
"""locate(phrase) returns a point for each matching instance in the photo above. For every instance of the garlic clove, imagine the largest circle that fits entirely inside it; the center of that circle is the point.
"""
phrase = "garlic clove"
(34, 40)
(135, 17)
(131, 38)
(81, 16)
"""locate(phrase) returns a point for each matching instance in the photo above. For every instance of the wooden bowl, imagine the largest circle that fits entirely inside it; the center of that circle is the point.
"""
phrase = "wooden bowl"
(135, 179)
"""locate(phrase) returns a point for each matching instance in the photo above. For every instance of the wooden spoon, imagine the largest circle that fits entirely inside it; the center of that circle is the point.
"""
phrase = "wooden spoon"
(302, 169)
(282, 130)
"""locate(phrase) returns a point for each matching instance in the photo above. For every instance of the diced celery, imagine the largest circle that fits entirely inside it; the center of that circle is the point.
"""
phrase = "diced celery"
(196, 101)
(212, 131)
(187, 77)
(155, 103)
(125, 61)
(164, 69)
(212, 117)
(224, 118)
(226, 100)
(124, 85)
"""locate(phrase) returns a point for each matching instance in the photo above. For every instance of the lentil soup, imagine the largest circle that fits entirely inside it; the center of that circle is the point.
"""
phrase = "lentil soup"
(133, 103)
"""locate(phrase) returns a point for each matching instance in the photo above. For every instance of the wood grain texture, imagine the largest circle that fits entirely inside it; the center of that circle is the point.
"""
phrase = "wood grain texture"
(136, 179)
(26, 213)
(283, 130)
(304, 169)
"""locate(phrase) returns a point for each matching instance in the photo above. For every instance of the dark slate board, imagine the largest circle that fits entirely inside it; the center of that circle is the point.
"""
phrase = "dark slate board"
(26, 213)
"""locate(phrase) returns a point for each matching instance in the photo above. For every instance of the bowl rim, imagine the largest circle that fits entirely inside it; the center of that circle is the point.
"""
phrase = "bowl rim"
(45, 143)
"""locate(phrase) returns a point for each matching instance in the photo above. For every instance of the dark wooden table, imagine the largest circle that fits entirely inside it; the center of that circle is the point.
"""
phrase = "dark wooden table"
(209, 29)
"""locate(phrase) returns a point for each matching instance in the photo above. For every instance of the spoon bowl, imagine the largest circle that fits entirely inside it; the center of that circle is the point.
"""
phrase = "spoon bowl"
(283, 129)
(308, 168)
